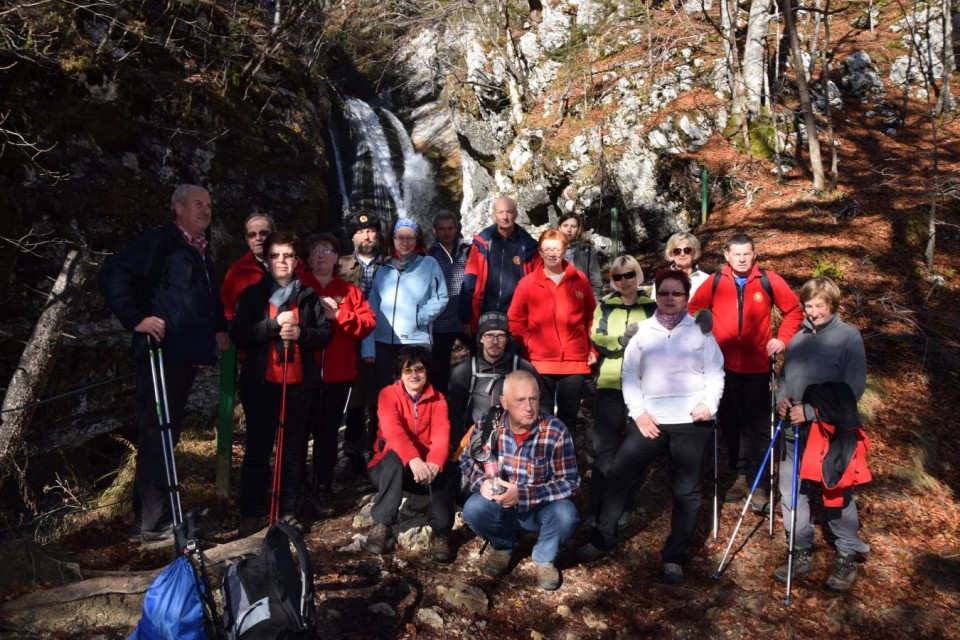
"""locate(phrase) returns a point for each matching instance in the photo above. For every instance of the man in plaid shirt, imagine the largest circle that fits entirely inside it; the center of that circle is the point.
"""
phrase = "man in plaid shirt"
(537, 475)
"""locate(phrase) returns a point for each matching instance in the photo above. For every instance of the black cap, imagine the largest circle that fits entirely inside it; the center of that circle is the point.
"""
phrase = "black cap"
(361, 220)
(493, 321)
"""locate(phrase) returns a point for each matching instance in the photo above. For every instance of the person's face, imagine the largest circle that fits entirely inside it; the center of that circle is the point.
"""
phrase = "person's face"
(255, 232)
(446, 231)
(365, 241)
(682, 255)
(414, 377)
(282, 262)
(552, 253)
(570, 228)
(817, 310)
(624, 280)
(404, 241)
(521, 399)
(505, 215)
(740, 257)
(322, 259)
(671, 298)
(494, 344)
(195, 214)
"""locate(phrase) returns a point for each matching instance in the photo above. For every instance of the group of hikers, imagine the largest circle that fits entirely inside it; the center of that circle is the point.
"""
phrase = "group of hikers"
(363, 334)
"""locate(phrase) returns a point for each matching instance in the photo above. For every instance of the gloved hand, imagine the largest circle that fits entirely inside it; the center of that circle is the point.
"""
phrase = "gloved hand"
(629, 333)
(704, 320)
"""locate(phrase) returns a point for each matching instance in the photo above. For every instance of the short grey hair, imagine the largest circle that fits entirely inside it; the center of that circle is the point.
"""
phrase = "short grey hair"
(182, 192)
(255, 215)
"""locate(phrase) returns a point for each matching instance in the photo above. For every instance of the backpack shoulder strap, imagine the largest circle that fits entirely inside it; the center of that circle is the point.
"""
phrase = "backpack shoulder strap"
(516, 361)
(473, 375)
(765, 283)
(716, 283)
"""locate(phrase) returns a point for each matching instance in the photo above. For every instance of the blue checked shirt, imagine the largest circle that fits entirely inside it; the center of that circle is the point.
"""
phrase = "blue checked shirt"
(452, 267)
(544, 467)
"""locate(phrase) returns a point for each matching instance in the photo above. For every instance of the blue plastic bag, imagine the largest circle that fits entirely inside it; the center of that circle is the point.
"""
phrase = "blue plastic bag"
(171, 607)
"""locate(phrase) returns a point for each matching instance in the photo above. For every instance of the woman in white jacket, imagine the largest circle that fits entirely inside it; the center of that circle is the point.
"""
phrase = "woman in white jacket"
(672, 379)
(408, 293)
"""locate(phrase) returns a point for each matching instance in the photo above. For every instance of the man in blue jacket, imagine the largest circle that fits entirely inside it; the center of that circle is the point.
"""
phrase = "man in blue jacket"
(164, 286)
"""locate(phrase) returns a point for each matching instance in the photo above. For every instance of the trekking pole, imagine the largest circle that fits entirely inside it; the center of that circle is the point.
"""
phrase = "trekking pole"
(793, 509)
(716, 487)
(163, 418)
(278, 456)
(753, 488)
(773, 417)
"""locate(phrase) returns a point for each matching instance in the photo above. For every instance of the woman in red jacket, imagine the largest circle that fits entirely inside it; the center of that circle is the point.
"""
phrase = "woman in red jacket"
(550, 317)
(352, 319)
(410, 453)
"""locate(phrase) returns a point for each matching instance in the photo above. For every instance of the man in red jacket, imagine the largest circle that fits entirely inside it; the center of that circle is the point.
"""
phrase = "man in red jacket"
(740, 301)
(250, 268)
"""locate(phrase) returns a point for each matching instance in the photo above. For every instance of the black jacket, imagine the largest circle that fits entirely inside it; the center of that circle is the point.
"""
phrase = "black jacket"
(256, 333)
(161, 275)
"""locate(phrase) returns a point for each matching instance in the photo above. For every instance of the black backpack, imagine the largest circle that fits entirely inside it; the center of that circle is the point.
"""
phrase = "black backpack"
(271, 595)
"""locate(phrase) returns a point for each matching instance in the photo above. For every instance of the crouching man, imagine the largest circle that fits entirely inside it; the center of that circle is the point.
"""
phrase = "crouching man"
(535, 475)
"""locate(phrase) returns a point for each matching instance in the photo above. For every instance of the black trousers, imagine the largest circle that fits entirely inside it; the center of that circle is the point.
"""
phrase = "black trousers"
(609, 422)
(357, 438)
(323, 422)
(442, 351)
(151, 493)
(745, 420)
(687, 446)
(567, 390)
(391, 478)
(261, 404)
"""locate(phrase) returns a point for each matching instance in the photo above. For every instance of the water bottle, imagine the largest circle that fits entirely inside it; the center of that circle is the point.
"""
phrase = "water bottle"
(491, 471)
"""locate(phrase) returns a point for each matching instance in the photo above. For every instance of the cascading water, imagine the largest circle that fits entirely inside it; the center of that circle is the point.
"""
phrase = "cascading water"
(338, 168)
(381, 179)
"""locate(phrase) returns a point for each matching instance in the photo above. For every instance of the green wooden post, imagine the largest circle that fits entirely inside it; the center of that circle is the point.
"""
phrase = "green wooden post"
(703, 196)
(228, 381)
(615, 231)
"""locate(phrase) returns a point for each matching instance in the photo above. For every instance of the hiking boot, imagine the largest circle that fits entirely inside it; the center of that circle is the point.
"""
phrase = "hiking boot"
(590, 553)
(844, 573)
(548, 577)
(672, 573)
(498, 564)
(157, 535)
(761, 500)
(738, 491)
(624, 520)
(134, 535)
(248, 527)
(440, 548)
(802, 566)
(590, 523)
(377, 538)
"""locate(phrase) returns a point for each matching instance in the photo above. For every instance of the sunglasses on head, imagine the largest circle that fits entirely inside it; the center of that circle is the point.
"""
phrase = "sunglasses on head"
(629, 275)
(680, 250)
(263, 233)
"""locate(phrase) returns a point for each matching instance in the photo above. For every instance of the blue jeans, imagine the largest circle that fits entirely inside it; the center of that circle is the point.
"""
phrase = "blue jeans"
(554, 520)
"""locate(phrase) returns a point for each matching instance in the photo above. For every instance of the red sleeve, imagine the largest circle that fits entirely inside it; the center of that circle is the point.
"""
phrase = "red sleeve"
(517, 314)
(789, 305)
(355, 317)
(393, 425)
(439, 444)
(229, 293)
(588, 314)
(702, 299)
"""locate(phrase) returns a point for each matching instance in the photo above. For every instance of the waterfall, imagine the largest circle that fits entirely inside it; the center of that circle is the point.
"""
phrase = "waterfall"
(338, 167)
(387, 175)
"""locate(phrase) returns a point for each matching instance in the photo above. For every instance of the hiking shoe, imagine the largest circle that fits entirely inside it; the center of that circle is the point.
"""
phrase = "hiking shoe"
(157, 535)
(248, 527)
(761, 500)
(672, 573)
(548, 577)
(498, 564)
(440, 548)
(590, 523)
(624, 520)
(589, 553)
(134, 535)
(844, 573)
(377, 538)
(738, 491)
(802, 566)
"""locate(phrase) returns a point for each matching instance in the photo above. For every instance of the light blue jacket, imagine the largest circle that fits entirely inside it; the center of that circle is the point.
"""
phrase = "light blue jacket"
(406, 303)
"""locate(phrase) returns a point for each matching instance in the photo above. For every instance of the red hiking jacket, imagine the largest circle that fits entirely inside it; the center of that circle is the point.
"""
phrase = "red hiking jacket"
(421, 430)
(354, 322)
(241, 274)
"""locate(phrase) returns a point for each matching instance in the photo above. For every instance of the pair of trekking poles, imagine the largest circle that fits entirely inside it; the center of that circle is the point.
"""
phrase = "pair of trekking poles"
(776, 428)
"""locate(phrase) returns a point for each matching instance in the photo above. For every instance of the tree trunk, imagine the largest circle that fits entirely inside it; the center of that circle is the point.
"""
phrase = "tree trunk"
(754, 50)
(806, 108)
(30, 378)
(945, 102)
(727, 7)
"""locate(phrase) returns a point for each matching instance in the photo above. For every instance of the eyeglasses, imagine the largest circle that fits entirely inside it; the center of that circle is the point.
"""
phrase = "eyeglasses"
(405, 238)
(682, 250)
(495, 337)
(282, 256)
(551, 251)
(321, 252)
(671, 294)
(417, 368)
(628, 275)
(263, 233)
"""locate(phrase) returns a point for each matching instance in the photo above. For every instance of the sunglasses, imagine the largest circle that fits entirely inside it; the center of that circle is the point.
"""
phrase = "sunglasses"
(321, 252)
(682, 250)
(417, 368)
(671, 294)
(263, 233)
(629, 275)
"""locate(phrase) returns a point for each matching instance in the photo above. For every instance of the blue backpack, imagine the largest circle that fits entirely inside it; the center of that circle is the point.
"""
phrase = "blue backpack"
(172, 609)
